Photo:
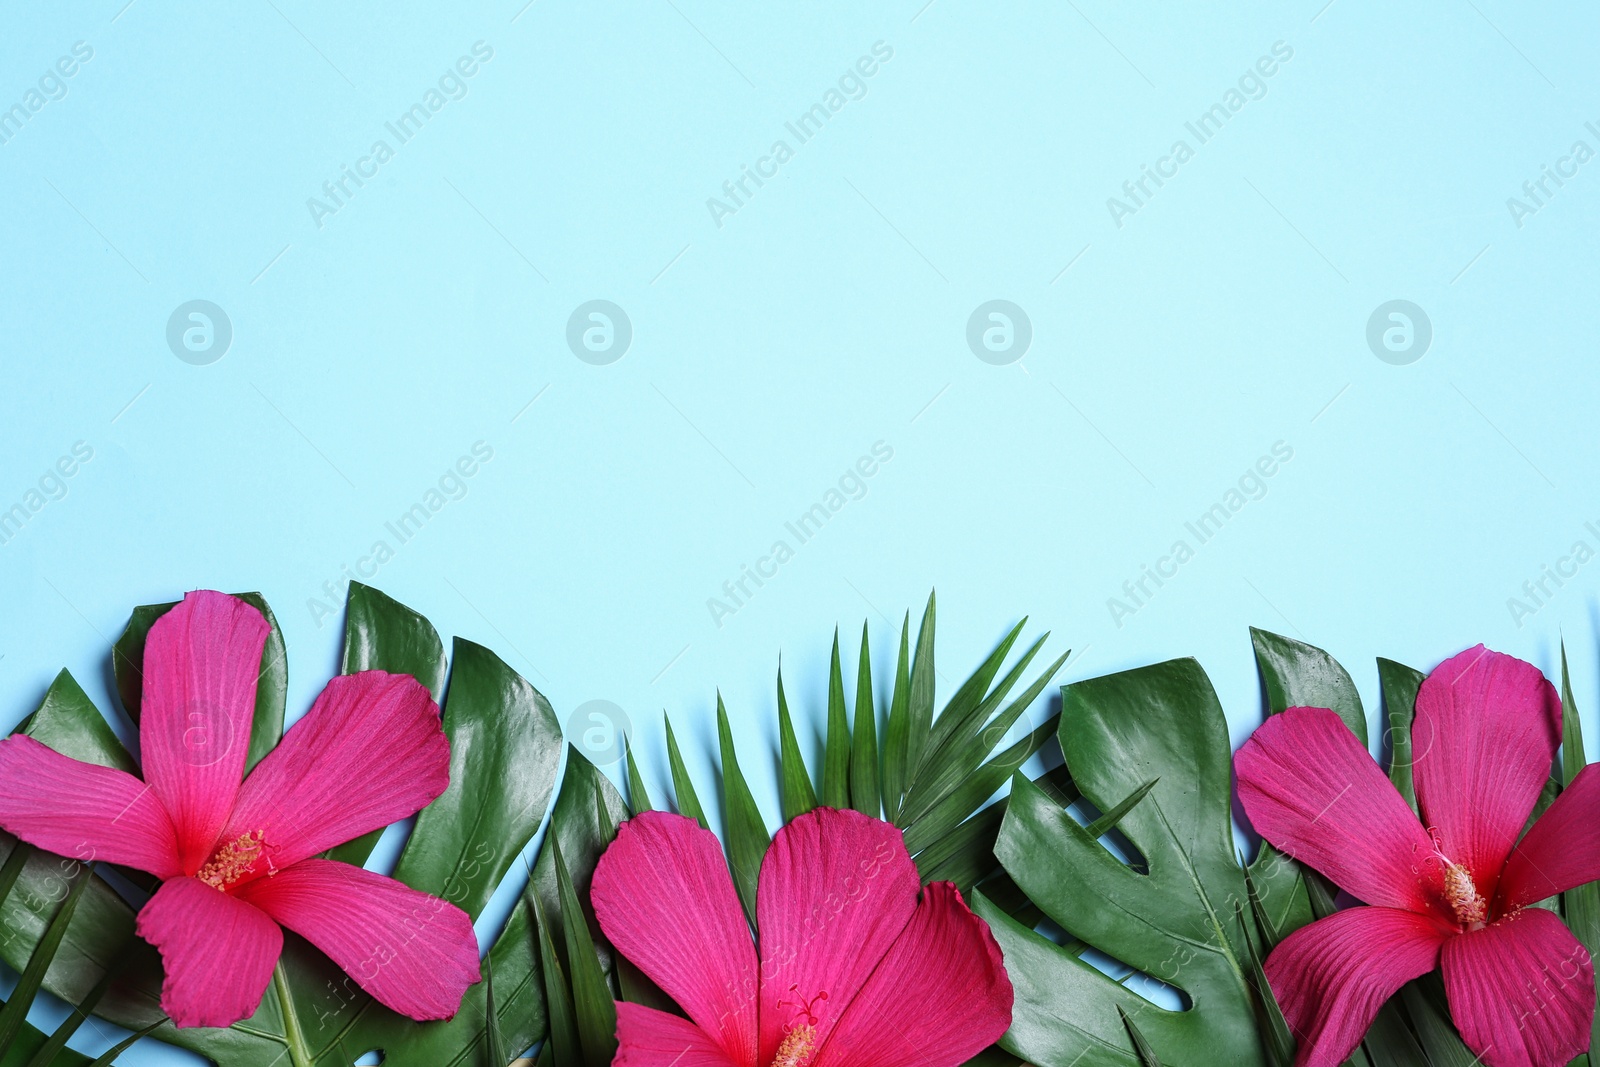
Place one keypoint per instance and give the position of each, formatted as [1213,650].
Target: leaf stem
[294,1037]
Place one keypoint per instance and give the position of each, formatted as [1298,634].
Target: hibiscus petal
[1521,990]
[836,889]
[1562,850]
[83,810]
[1315,793]
[413,952]
[1487,727]
[1332,976]
[201,663]
[218,952]
[939,997]
[664,898]
[650,1038]
[370,751]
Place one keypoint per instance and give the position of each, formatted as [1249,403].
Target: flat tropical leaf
[836,750]
[562,1050]
[682,784]
[919,705]
[14,1015]
[1295,674]
[864,789]
[593,1006]
[1400,684]
[896,732]
[794,780]
[638,795]
[68,722]
[1178,922]
[747,831]
[583,822]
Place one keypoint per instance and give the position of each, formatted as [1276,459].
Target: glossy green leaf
[1424,1003]
[14,1015]
[973,702]
[1177,922]
[1275,1034]
[1400,684]
[382,634]
[68,722]
[965,855]
[51,1053]
[864,788]
[836,749]
[1295,674]
[919,705]
[896,732]
[747,831]
[593,1006]
[682,784]
[976,788]
[1390,1041]
[638,795]
[505,746]
[127,659]
[563,1048]
[583,823]
[31,1044]
[1147,1055]
[945,773]
[794,780]
[494,1041]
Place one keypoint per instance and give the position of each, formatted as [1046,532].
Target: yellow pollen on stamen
[797,1047]
[1471,909]
[228,863]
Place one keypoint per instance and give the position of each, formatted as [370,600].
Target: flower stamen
[799,1038]
[797,1047]
[233,861]
[1472,911]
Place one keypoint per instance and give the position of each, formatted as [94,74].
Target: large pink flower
[854,971]
[236,858]
[1452,890]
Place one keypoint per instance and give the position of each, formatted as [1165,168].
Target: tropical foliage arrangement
[1439,912]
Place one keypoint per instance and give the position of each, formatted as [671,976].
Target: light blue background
[828,313]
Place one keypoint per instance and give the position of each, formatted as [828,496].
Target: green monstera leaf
[505,750]
[1160,731]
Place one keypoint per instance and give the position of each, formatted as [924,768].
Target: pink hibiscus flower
[854,971]
[236,858]
[1451,890]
